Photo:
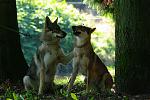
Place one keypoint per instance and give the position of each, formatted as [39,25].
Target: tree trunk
[12,62]
[132,46]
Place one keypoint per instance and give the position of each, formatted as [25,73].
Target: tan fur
[43,67]
[88,63]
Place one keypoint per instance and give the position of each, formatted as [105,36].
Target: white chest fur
[49,58]
[81,59]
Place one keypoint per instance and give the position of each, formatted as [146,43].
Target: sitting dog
[88,63]
[44,64]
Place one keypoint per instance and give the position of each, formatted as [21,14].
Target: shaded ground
[9,91]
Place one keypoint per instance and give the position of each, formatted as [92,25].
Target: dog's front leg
[88,81]
[85,64]
[65,59]
[74,74]
[42,80]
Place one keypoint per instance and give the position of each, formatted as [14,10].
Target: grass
[9,91]
[62,80]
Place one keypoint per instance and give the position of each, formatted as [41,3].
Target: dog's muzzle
[76,33]
[62,35]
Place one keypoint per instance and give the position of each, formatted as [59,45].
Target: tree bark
[12,63]
[132,35]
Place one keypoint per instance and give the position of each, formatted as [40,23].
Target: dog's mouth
[63,35]
[77,33]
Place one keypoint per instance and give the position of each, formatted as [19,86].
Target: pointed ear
[55,22]
[92,30]
[47,23]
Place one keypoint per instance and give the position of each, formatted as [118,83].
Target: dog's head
[82,33]
[52,31]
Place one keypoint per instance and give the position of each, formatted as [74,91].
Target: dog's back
[100,73]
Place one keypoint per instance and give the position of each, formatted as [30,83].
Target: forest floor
[17,92]
[9,91]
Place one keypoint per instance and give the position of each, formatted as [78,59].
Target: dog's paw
[40,93]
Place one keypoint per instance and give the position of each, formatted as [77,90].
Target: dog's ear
[55,22]
[47,23]
[92,30]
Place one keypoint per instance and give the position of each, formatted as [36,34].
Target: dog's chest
[84,58]
[47,58]
[50,57]
[81,53]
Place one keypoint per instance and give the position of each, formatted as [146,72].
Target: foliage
[31,16]
[74,97]
[62,95]
[103,41]
[102,6]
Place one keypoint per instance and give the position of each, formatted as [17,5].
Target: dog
[42,70]
[88,63]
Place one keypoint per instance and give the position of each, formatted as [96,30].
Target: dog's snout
[76,33]
[63,34]
[75,30]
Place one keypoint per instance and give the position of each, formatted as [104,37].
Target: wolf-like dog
[44,64]
[88,63]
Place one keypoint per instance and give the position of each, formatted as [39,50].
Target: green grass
[61,80]
[78,91]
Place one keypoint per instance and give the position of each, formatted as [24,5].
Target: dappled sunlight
[103,40]
[69,49]
[105,28]
[31,16]
[65,79]
[111,70]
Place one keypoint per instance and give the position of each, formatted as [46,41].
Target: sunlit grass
[62,80]
[111,70]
